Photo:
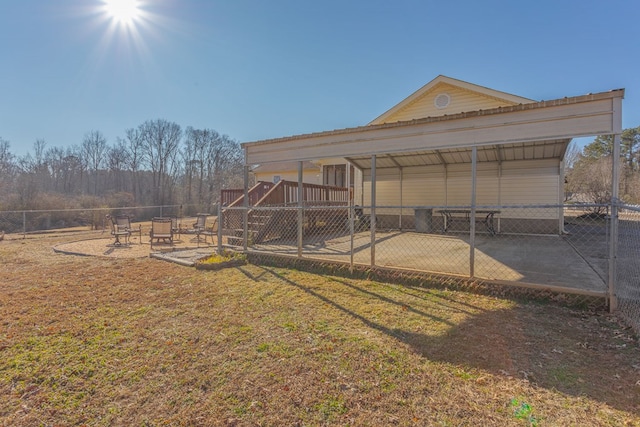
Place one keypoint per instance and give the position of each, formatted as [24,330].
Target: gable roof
[445,96]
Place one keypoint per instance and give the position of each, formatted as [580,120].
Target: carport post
[300,207]
[613,235]
[401,191]
[350,217]
[373,210]
[472,219]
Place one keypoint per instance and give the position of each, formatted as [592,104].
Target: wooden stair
[271,224]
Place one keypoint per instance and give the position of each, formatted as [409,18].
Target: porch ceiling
[551,149]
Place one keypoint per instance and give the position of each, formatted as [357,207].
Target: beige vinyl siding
[522,183]
[461,101]
[420,186]
[459,185]
[387,187]
[424,186]
[534,182]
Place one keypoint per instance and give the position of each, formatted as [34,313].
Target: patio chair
[118,229]
[124,222]
[201,229]
[201,222]
[161,228]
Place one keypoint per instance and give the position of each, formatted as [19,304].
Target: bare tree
[209,158]
[161,141]
[7,167]
[117,159]
[94,149]
[54,158]
[225,166]
[188,156]
[591,178]
[75,167]
[134,145]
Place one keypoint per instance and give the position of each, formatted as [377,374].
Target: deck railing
[282,194]
[285,193]
[235,196]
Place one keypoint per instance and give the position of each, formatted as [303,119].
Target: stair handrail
[256,189]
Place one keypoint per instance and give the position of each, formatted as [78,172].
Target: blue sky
[256,69]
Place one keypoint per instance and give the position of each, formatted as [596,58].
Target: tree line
[157,163]
[589,171]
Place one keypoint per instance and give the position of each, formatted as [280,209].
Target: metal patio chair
[161,228]
[119,229]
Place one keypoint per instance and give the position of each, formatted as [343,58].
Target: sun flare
[122,11]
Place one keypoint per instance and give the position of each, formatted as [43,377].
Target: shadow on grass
[574,352]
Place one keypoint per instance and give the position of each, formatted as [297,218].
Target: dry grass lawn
[112,342]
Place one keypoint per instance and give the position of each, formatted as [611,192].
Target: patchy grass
[215,258]
[87,341]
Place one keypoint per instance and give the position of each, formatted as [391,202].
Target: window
[336,175]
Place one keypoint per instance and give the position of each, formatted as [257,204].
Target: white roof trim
[587,115]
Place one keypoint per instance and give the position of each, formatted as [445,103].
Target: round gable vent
[442,101]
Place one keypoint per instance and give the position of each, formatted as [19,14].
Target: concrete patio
[547,262]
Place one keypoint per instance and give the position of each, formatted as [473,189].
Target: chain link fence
[627,281]
[24,223]
[565,249]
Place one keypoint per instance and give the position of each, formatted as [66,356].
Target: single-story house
[450,144]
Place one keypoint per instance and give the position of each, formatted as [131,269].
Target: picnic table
[483,216]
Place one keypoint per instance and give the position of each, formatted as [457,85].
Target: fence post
[245,213]
[219,230]
[373,210]
[472,219]
[613,235]
[300,207]
[351,233]
[24,224]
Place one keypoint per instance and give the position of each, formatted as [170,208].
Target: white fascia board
[599,115]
